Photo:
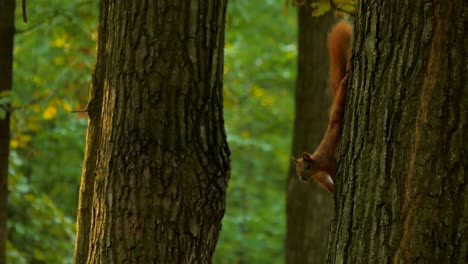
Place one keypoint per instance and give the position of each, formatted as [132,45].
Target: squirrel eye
[307,167]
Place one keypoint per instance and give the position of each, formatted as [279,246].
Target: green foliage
[260,59]
[52,68]
[14,255]
[53,59]
[321,7]
[38,231]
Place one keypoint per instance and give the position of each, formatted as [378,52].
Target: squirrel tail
[339,49]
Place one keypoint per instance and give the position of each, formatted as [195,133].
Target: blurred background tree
[309,206]
[7,31]
[54,57]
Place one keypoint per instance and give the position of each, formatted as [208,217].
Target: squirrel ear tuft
[306,156]
[294,159]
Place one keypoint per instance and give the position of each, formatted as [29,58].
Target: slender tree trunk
[402,187]
[309,206]
[7,31]
[157,160]
[93,139]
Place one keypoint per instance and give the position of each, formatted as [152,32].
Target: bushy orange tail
[339,49]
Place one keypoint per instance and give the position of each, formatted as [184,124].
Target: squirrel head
[306,167]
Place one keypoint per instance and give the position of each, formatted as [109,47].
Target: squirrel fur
[322,165]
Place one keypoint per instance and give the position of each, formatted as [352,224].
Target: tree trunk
[93,140]
[402,187]
[157,160]
[7,31]
[309,206]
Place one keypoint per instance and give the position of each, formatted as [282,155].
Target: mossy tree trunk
[309,206]
[7,32]
[157,161]
[402,192]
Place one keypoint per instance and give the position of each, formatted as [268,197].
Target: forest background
[54,55]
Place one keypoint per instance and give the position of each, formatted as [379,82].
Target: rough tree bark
[309,206]
[7,32]
[157,160]
[93,139]
[402,192]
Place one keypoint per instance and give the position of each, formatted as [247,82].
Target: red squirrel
[321,165]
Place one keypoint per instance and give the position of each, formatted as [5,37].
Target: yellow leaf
[49,112]
[59,42]
[67,106]
[25,138]
[320,8]
[14,144]
[257,91]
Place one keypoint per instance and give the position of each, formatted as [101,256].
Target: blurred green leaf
[320,8]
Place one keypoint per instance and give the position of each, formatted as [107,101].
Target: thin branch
[334,6]
[54,15]
[20,31]
[79,111]
[299,2]
[23,6]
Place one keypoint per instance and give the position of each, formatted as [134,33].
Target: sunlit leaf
[67,107]
[49,112]
[257,91]
[320,8]
[14,143]
[59,41]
